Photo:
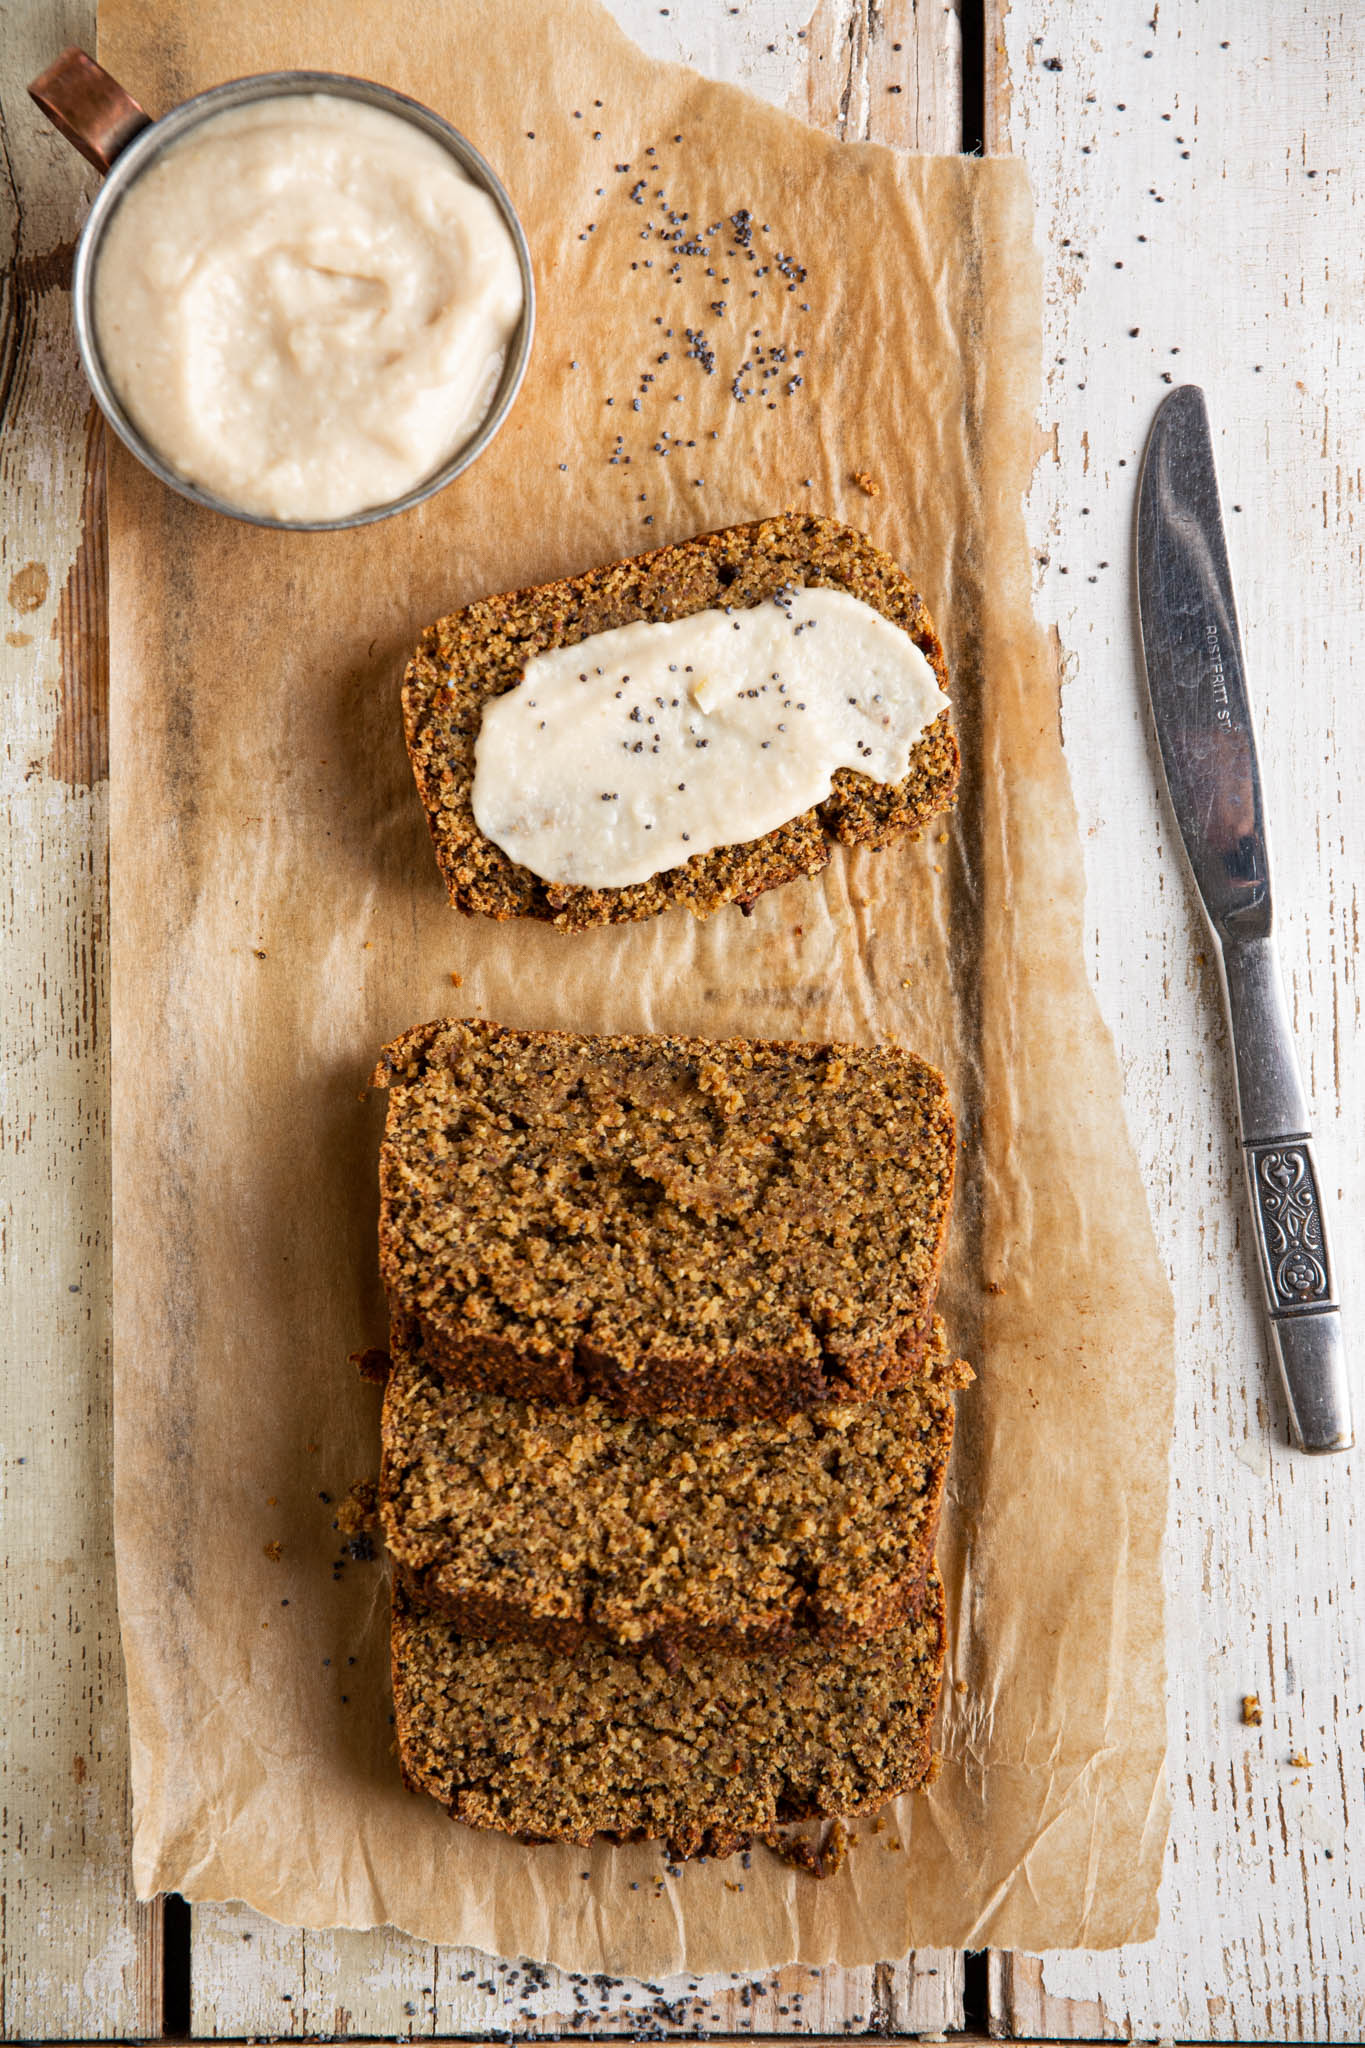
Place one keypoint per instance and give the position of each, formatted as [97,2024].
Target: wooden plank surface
[252,1977]
[78,1956]
[1198,171]
[1251,258]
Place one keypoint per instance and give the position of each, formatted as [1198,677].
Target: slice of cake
[668,1533]
[466,662]
[733,1228]
[563,1746]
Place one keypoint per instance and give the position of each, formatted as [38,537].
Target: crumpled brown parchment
[277,917]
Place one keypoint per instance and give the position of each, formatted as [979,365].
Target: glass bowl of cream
[300,298]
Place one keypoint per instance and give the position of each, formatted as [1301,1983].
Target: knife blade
[1197,684]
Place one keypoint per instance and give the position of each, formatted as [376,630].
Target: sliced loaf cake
[665,1533]
[735,1228]
[564,1746]
[475,655]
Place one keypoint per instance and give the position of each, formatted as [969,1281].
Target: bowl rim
[161,134]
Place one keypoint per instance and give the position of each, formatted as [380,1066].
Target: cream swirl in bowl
[305,306]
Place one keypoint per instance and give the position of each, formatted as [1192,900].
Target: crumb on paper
[818,1860]
[995,1287]
[359,1510]
[1251,1710]
[959,1686]
[260,952]
[867,483]
[274,1551]
[1300,1761]
[456,980]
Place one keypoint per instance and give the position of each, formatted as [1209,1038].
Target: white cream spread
[627,754]
[305,305]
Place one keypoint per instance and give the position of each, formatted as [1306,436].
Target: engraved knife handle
[1286,1199]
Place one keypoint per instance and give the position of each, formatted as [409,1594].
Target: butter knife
[1195,677]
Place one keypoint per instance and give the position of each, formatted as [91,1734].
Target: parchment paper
[277,917]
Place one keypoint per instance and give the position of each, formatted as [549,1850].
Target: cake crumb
[712,1079]
[456,980]
[599,1118]
[485,1499]
[867,483]
[818,1860]
[1251,1710]
[360,1509]
[1300,1761]
[274,1551]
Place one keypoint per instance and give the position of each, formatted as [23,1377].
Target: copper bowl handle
[89,108]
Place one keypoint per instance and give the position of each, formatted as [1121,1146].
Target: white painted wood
[1248,260]
[78,1957]
[252,1977]
[1232,139]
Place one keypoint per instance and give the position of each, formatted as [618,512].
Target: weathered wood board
[1198,180]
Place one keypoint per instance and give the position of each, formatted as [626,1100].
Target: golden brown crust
[734,1227]
[480,652]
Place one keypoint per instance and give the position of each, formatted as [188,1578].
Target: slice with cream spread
[625,755]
